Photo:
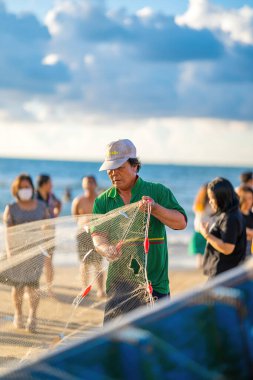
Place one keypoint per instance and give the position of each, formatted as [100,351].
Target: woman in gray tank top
[27,273]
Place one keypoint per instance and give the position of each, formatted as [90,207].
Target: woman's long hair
[224,194]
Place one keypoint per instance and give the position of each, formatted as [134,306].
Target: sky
[175,77]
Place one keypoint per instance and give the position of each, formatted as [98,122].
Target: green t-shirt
[157,267]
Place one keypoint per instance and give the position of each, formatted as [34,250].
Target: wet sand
[18,345]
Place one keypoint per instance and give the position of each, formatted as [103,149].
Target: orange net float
[86,291]
[150,288]
[146,245]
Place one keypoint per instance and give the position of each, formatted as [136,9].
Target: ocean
[183,180]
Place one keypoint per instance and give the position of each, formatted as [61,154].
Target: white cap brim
[113,164]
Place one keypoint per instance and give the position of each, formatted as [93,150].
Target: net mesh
[100,273]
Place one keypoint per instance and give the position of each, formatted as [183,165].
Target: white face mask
[25,194]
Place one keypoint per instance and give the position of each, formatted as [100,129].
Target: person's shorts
[197,244]
[126,300]
[26,273]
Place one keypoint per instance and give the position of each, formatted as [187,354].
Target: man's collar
[113,191]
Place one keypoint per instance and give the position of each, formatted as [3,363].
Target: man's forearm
[171,218]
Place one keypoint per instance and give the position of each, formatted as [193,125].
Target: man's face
[123,177]
[89,184]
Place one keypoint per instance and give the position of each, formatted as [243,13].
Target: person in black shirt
[246,204]
[226,238]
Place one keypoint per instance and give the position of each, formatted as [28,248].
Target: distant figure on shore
[45,194]
[246,205]
[226,239]
[83,205]
[247,179]
[67,196]
[203,213]
[27,273]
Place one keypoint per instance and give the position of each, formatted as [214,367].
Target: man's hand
[144,202]
[110,252]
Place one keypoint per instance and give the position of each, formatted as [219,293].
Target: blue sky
[173,7]
[174,76]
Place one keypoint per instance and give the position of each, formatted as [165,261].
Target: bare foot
[18,321]
[31,325]
[101,294]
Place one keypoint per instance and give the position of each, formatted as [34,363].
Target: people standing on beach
[203,213]
[26,274]
[45,194]
[246,205]
[226,238]
[83,205]
[122,166]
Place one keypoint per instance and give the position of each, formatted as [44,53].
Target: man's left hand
[144,202]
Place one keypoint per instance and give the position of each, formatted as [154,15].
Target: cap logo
[114,153]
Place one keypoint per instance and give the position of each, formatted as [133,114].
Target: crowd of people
[222,238]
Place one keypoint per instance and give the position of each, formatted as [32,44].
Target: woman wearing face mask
[226,238]
[26,274]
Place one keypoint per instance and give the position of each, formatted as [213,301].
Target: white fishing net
[92,255]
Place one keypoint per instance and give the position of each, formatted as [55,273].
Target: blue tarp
[203,334]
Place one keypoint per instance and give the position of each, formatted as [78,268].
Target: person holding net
[27,270]
[122,167]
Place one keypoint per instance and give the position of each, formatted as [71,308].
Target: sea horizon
[144,162]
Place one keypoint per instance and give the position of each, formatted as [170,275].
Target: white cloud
[89,76]
[50,59]
[237,24]
[170,140]
[89,59]
[65,7]
[40,111]
[145,12]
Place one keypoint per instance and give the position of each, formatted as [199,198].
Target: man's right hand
[110,252]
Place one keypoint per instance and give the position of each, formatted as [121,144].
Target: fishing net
[100,273]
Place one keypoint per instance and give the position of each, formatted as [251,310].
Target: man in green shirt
[122,166]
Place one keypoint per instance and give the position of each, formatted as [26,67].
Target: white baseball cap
[117,153]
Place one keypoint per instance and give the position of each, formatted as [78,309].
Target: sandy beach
[57,317]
